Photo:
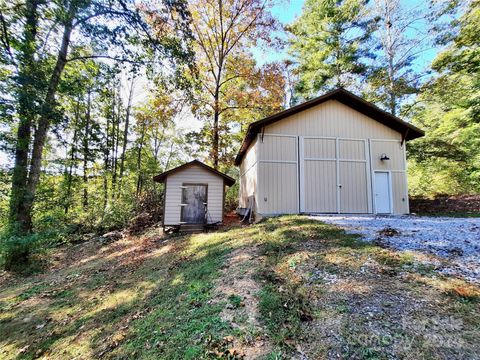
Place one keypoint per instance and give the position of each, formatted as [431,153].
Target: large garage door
[333,175]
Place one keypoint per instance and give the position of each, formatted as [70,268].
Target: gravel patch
[454,239]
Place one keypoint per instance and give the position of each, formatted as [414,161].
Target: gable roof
[408,131]
[161,177]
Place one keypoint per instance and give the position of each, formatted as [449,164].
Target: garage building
[334,154]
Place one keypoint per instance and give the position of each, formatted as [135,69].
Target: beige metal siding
[277,174]
[248,175]
[397,168]
[277,148]
[334,175]
[195,175]
[347,155]
[336,120]
[318,174]
[355,190]
[319,148]
[277,188]
[332,119]
[352,149]
[393,149]
[400,193]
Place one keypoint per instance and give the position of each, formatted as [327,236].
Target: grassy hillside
[285,287]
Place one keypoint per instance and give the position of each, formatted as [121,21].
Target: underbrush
[25,253]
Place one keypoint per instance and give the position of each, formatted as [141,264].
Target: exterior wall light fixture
[384,157]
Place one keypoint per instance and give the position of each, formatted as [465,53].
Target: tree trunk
[73,154]
[216,97]
[26,113]
[44,121]
[125,130]
[115,189]
[115,136]
[157,144]
[170,153]
[139,161]
[86,151]
[216,137]
[390,55]
[106,165]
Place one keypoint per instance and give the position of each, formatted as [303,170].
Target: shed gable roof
[161,177]
[408,131]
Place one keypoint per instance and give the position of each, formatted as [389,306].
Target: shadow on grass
[156,301]
[157,308]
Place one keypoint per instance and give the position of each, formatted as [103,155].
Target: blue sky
[286,11]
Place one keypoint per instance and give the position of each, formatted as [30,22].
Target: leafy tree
[449,110]
[328,45]
[157,141]
[223,33]
[398,42]
[38,67]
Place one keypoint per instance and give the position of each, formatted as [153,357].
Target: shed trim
[408,131]
[161,177]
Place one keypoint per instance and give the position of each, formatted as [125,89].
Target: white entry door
[383,203]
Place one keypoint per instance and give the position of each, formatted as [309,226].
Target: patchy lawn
[287,287]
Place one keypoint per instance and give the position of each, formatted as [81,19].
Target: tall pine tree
[328,45]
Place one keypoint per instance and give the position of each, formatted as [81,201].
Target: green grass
[284,303]
[148,298]
[32,291]
[181,321]
[235,301]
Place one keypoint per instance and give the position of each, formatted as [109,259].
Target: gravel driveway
[455,239]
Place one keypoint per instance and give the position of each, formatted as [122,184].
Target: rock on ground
[455,239]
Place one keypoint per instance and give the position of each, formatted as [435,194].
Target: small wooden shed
[194,194]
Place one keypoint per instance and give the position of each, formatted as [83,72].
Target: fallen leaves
[225,349]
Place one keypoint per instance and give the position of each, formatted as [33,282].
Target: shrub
[15,250]
[116,216]
[231,198]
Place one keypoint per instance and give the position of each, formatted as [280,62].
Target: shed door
[318,175]
[194,202]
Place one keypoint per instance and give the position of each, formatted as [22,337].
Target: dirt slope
[286,288]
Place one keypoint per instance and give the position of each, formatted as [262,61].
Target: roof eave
[340,95]
[229,181]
